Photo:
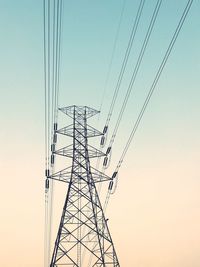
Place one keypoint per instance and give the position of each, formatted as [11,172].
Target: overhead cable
[124,64]
[155,81]
[136,69]
[112,55]
[107,79]
[52,23]
[152,88]
[45,84]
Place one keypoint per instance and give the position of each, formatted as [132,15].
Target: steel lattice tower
[83,238]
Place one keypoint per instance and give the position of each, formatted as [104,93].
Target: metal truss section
[99,176]
[69,131]
[68,151]
[65,175]
[83,238]
[81,111]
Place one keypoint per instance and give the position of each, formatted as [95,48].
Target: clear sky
[154,216]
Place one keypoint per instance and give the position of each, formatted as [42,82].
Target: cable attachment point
[55,138]
[107,158]
[104,137]
[55,126]
[52,159]
[47,184]
[115,181]
[110,186]
[105,161]
[47,172]
[102,143]
[53,147]
[108,150]
[105,129]
[114,175]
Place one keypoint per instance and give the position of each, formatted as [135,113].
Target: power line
[46,131]
[122,71]
[155,81]
[107,78]
[45,80]
[48,71]
[46,87]
[136,69]
[112,55]
[152,88]
[124,64]
[52,20]
[60,21]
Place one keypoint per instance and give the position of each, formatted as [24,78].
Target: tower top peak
[74,110]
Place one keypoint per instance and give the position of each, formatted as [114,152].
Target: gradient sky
[154,216]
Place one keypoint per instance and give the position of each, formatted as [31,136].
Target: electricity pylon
[83,237]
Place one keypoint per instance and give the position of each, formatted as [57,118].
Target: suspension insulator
[55,126]
[102,140]
[108,150]
[55,138]
[110,185]
[114,175]
[105,129]
[52,159]
[53,147]
[47,172]
[105,161]
[47,183]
